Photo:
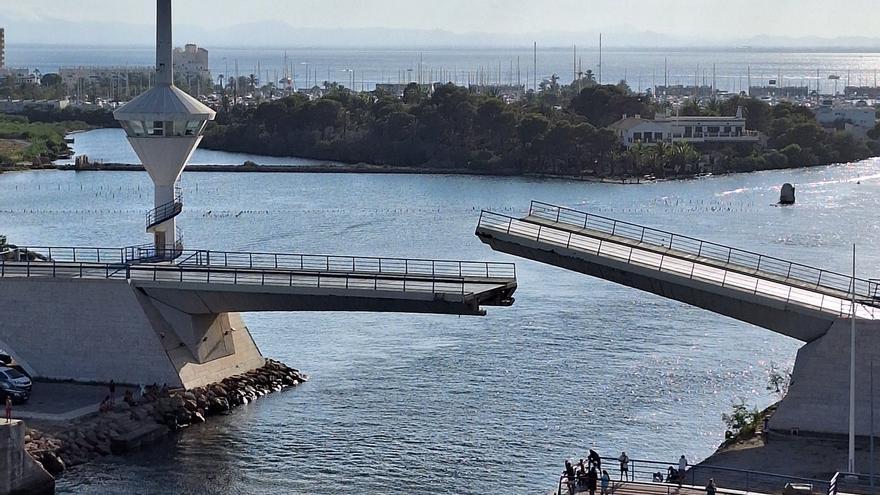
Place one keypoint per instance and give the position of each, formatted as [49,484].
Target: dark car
[14,384]
[5,358]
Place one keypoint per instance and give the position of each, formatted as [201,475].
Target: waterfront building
[18,106]
[20,76]
[684,129]
[78,76]
[192,61]
[680,90]
[788,92]
[398,89]
[510,93]
[856,118]
[872,92]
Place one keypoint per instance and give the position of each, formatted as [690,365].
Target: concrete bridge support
[102,330]
[20,474]
[818,398]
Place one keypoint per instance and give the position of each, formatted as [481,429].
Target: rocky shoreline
[127,427]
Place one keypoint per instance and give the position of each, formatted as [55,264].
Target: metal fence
[666,262]
[267,269]
[696,477]
[732,258]
[350,264]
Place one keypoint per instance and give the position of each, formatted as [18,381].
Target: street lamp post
[852,374]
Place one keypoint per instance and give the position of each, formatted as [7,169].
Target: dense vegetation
[451,129]
[794,137]
[560,131]
[24,141]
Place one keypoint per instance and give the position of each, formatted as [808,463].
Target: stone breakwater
[126,427]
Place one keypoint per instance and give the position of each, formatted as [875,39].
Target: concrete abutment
[102,330]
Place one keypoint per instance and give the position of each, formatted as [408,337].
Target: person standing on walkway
[570,478]
[710,488]
[606,480]
[682,467]
[592,478]
[8,409]
[595,460]
[624,466]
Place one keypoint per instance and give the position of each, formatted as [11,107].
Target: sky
[694,19]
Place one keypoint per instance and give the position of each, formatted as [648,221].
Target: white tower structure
[164,126]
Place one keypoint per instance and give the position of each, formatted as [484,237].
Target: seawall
[19,472]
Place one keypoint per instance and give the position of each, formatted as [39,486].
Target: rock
[53,464]
[786,196]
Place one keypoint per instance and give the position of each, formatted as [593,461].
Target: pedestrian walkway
[790,298]
[640,488]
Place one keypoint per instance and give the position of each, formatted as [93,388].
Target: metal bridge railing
[165,212]
[267,269]
[865,290]
[351,264]
[677,265]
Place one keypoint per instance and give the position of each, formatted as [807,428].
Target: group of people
[585,476]
[146,393]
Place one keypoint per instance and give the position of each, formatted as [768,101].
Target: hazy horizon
[625,23]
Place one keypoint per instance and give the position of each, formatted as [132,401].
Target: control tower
[164,126]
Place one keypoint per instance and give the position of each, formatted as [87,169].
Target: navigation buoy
[786,197]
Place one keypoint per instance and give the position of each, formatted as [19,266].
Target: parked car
[5,358]
[14,384]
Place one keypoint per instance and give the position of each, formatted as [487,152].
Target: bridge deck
[551,226]
[469,284]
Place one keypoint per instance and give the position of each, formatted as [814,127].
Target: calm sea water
[732,69]
[458,405]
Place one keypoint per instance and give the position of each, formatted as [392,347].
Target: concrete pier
[19,473]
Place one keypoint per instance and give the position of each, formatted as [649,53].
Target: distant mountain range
[280,34]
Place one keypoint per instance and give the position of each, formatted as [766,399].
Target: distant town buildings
[19,106]
[73,77]
[789,92]
[510,93]
[857,119]
[192,61]
[678,129]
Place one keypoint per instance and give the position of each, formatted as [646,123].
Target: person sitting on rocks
[106,405]
[129,398]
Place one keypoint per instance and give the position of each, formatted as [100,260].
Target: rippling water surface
[444,404]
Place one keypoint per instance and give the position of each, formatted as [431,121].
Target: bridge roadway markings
[609,247]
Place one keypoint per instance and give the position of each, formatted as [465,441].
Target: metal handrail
[353,264]
[293,261]
[805,274]
[642,471]
[568,239]
[165,212]
[118,266]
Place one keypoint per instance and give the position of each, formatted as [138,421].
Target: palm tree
[683,156]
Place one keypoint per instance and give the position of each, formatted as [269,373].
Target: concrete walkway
[640,488]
